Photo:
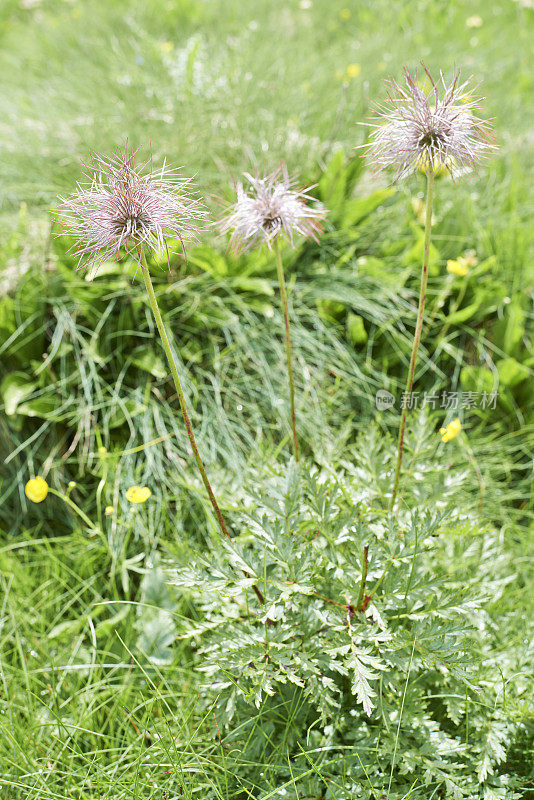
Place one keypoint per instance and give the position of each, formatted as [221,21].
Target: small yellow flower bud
[460,266]
[451,431]
[345,13]
[108,511]
[138,494]
[36,489]
[353,70]
[72,484]
[102,451]
[456,268]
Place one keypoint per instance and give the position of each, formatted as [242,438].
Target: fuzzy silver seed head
[417,131]
[271,206]
[127,208]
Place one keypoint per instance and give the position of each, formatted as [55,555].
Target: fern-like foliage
[368,644]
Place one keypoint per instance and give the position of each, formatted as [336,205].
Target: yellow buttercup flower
[457,267]
[138,494]
[460,266]
[345,13]
[108,511]
[36,489]
[353,70]
[451,431]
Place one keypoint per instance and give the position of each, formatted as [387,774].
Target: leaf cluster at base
[361,660]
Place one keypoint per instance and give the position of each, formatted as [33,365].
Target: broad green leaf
[128,269]
[8,325]
[69,626]
[415,254]
[331,310]
[463,314]
[44,407]
[358,208]
[348,253]
[146,359]
[261,306]
[355,167]
[256,285]
[332,185]
[155,622]
[510,329]
[108,626]
[209,260]
[511,372]
[129,407]
[156,591]
[356,329]
[156,637]
[382,272]
[30,302]
[16,387]
[92,351]
[477,379]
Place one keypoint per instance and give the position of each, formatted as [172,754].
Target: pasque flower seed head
[124,207]
[270,206]
[432,130]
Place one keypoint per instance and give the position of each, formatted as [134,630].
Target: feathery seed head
[417,130]
[125,207]
[271,206]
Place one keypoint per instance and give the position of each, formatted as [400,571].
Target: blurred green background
[219,85]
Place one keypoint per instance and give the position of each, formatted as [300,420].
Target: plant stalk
[417,335]
[181,399]
[283,295]
[66,499]
[361,596]
[465,442]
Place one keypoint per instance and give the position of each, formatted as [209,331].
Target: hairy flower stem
[283,295]
[181,399]
[417,335]
[361,596]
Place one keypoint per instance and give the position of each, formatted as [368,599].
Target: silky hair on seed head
[270,206]
[430,131]
[128,208]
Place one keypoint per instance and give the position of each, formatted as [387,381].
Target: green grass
[220,87]
[81,716]
[242,84]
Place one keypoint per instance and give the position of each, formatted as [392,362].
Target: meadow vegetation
[392,657]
